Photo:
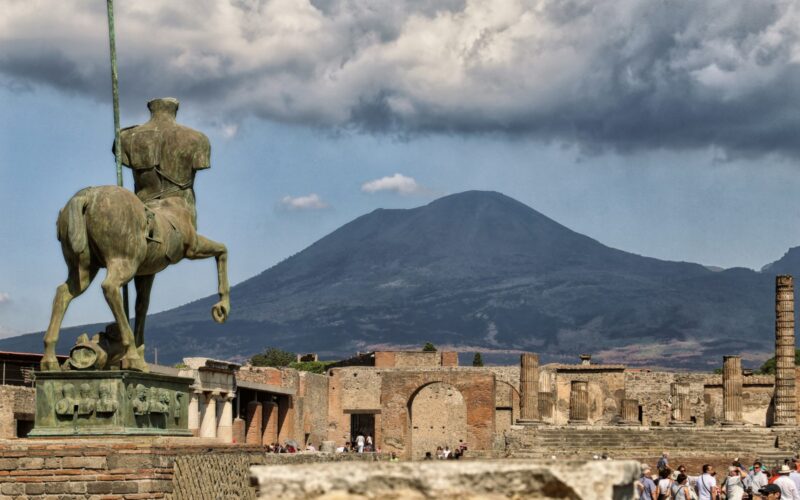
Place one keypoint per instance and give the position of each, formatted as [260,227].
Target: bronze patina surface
[120,402]
[135,236]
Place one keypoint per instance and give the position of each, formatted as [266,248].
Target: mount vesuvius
[476,271]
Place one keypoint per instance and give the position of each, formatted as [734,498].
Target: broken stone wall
[16,403]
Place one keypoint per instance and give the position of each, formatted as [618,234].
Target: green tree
[274,357]
[768,368]
[477,360]
[429,347]
[312,366]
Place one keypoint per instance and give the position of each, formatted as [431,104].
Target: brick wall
[399,387]
[135,469]
[16,402]
[311,416]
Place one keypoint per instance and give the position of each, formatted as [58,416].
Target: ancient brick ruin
[411,402]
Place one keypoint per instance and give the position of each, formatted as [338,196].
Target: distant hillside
[477,270]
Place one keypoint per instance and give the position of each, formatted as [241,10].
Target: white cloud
[308,202]
[5,297]
[229,130]
[397,183]
[624,73]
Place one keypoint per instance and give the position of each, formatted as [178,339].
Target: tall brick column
[546,400]
[629,412]
[681,406]
[239,436]
[579,402]
[254,422]
[732,390]
[529,387]
[270,423]
[785,404]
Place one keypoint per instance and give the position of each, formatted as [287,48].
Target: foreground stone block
[578,480]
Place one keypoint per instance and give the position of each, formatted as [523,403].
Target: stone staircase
[621,442]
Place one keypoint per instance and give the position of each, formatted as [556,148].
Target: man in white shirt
[756,479]
[795,475]
[788,489]
[707,483]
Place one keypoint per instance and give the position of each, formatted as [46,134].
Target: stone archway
[438,415]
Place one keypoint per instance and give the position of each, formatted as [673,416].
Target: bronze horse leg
[120,272]
[77,282]
[203,249]
[143,286]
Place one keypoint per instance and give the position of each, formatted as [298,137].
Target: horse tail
[71,223]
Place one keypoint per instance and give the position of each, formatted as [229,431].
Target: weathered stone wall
[311,415]
[267,375]
[438,418]
[652,390]
[606,392]
[757,393]
[352,389]
[399,387]
[407,359]
[16,403]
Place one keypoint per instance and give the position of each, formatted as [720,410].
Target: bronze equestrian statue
[135,236]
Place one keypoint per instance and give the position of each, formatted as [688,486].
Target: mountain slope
[475,270]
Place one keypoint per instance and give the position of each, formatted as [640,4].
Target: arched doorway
[438,417]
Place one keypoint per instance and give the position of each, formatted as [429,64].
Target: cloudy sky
[663,127]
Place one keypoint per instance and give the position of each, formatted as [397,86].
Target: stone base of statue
[111,402]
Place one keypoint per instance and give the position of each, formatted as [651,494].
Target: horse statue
[135,236]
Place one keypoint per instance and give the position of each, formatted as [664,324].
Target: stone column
[784,352]
[681,407]
[579,402]
[208,427]
[546,402]
[225,424]
[254,423]
[732,390]
[529,387]
[194,411]
[270,423]
[629,412]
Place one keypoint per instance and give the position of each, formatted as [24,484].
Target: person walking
[707,484]
[663,462]
[370,446]
[787,486]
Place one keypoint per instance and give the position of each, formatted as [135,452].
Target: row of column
[536,404]
[208,419]
[536,396]
[262,423]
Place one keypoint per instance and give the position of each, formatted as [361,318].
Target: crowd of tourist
[740,482]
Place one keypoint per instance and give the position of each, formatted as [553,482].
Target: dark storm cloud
[621,74]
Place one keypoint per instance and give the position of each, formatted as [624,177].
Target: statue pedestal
[109,402]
